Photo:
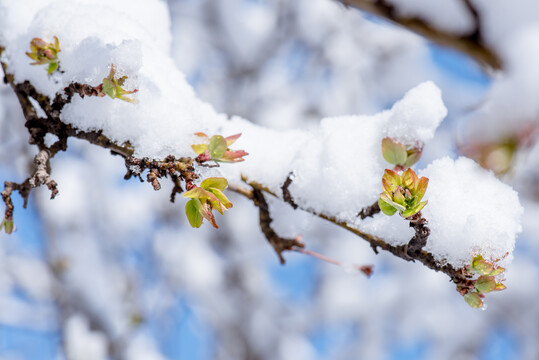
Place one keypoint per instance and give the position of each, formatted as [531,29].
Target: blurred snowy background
[112,270]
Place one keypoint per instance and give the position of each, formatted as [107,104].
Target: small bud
[407,194]
[404,193]
[216,149]
[153,179]
[8,226]
[113,87]
[44,53]
[205,198]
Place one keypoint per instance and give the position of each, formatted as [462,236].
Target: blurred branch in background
[471,44]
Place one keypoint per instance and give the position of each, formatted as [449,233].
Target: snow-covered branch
[337,168]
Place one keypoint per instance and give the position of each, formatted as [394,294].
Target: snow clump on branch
[337,168]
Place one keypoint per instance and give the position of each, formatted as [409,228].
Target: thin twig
[40,176]
[366,269]
[278,243]
[422,232]
[369,211]
[287,196]
[401,251]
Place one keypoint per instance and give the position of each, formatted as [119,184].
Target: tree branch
[409,252]
[182,169]
[369,211]
[471,44]
[278,243]
[40,176]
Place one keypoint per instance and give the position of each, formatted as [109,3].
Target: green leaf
[386,208]
[409,179]
[219,183]
[109,88]
[206,212]
[413,156]
[421,188]
[476,258]
[231,139]
[482,267]
[387,188]
[217,146]
[393,151]
[121,81]
[197,193]
[52,67]
[214,203]
[398,196]
[499,287]
[199,148]
[388,200]
[414,210]
[193,214]
[233,156]
[473,299]
[222,198]
[393,178]
[485,284]
[9,226]
[124,98]
[44,53]
[32,55]
[497,271]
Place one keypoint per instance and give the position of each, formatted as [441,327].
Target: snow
[329,161]
[32,276]
[469,212]
[81,343]
[415,118]
[143,348]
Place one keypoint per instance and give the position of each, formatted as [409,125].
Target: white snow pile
[469,211]
[337,168]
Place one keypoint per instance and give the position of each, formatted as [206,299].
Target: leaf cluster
[485,283]
[216,148]
[402,193]
[43,53]
[205,198]
[112,87]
